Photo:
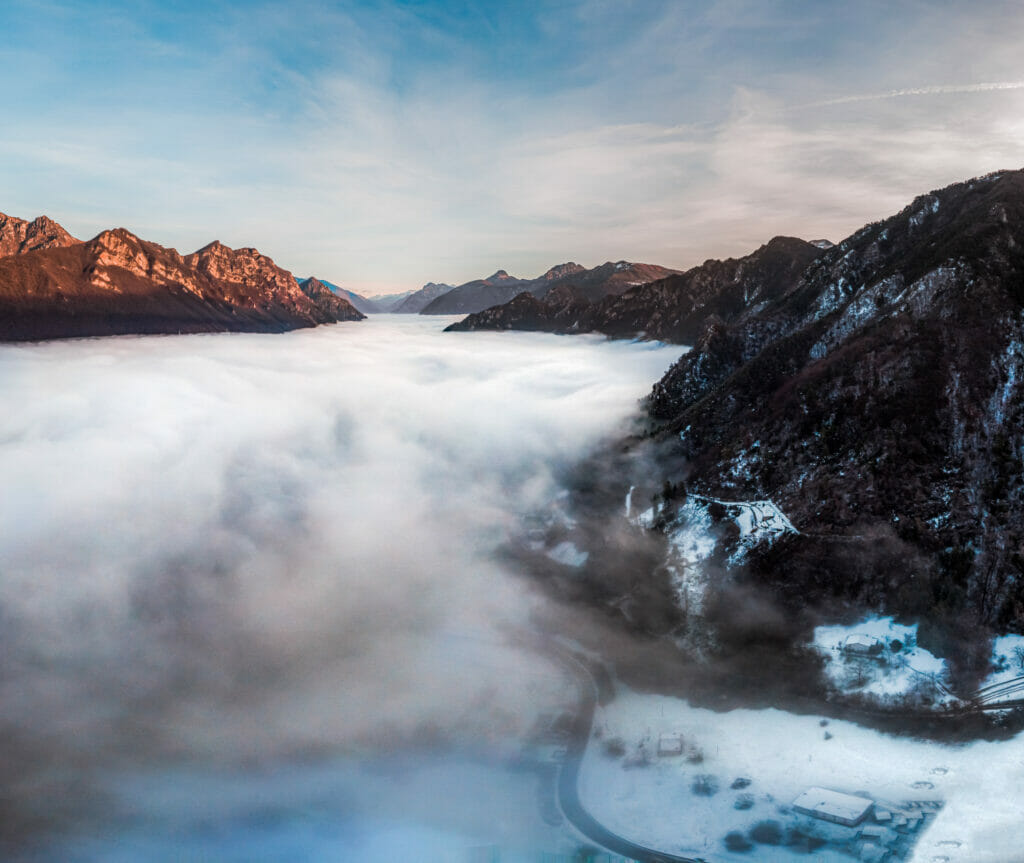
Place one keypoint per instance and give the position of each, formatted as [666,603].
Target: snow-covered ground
[895,668]
[690,543]
[761,519]
[971,795]
[757,520]
[1006,682]
[644,519]
[568,554]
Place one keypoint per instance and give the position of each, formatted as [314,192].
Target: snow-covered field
[1006,682]
[878,657]
[971,795]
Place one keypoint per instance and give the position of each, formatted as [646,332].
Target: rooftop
[832,805]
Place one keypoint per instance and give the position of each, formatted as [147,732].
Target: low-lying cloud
[231,549]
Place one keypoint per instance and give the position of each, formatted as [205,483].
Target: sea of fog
[249,603]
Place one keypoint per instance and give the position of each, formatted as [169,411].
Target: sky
[384,145]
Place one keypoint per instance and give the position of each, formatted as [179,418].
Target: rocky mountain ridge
[593,284]
[332,302]
[417,301]
[18,236]
[53,286]
[848,441]
[389,302]
[879,404]
[362,304]
[671,309]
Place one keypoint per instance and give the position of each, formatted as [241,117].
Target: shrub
[705,785]
[767,832]
[801,841]
[736,841]
[614,747]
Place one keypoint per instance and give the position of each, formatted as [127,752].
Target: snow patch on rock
[690,543]
[567,554]
[919,298]
[860,311]
[1010,363]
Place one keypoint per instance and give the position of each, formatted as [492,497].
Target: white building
[834,806]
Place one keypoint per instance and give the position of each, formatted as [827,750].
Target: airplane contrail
[942,89]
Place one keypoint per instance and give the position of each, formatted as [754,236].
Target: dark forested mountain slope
[671,309]
[879,402]
[590,285]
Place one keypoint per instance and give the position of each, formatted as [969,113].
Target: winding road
[568,777]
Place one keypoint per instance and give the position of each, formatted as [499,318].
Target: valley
[808,531]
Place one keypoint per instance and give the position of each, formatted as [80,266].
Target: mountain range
[55,286]
[417,301]
[848,426]
[375,305]
[593,284]
[671,308]
[871,391]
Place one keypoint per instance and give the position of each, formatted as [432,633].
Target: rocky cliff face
[589,285]
[341,308]
[879,403]
[361,304]
[117,283]
[673,308]
[18,236]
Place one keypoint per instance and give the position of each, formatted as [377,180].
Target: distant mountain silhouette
[594,284]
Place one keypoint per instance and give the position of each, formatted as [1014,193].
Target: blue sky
[382,145]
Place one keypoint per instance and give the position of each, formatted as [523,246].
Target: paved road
[568,777]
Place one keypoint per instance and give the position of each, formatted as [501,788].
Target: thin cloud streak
[939,90]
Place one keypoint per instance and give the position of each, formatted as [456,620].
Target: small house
[846,809]
[670,744]
[862,645]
